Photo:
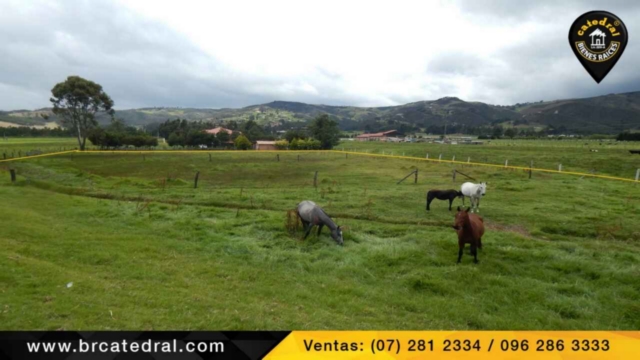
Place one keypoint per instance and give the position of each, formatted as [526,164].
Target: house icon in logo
[597,39]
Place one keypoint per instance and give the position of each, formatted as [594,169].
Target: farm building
[218,129]
[381,136]
[265,145]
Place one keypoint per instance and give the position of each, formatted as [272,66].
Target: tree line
[118,134]
[24,131]
[628,136]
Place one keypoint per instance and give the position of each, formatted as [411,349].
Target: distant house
[380,136]
[218,129]
[265,145]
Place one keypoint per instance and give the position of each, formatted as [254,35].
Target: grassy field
[21,146]
[145,250]
[612,158]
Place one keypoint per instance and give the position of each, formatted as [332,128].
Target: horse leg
[308,230]
[450,202]
[304,224]
[320,228]
[428,203]
[478,204]
[460,247]
[474,251]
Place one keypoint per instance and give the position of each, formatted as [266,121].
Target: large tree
[77,101]
[325,130]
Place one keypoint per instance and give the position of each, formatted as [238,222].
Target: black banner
[138,345]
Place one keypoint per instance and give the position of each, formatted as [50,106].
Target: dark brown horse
[470,229]
[442,195]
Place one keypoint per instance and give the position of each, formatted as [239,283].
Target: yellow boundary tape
[493,165]
[35,156]
[330,151]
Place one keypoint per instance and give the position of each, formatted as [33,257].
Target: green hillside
[603,114]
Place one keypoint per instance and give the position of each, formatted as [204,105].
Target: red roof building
[381,136]
[218,129]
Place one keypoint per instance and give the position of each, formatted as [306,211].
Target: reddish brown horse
[470,229]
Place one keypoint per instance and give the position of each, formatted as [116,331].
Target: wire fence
[347,153]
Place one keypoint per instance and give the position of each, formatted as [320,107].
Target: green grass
[611,159]
[16,146]
[145,250]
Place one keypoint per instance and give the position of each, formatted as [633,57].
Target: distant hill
[603,114]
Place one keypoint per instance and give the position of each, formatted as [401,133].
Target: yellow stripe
[330,151]
[35,156]
[460,345]
[492,165]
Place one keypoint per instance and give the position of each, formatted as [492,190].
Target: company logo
[598,39]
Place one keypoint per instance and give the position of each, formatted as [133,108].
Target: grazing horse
[474,192]
[470,228]
[311,214]
[442,195]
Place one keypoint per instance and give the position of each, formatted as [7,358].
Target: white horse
[474,192]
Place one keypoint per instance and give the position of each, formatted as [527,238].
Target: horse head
[483,188]
[462,218]
[337,235]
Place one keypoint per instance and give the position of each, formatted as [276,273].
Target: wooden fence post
[414,172]
[13,175]
[530,168]
[454,175]
[454,158]
[468,159]
[506,163]
[440,157]
[209,157]
[427,155]
[403,153]
[315,180]
[195,183]
[415,181]
[278,157]
[559,167]
[637,174]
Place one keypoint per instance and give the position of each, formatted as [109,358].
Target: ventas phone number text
[501,345]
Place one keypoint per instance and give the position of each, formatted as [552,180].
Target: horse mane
[327,215]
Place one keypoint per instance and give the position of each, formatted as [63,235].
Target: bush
[175,139]
[242,143]
[115,139]
[312,144]
[627,136]
[282,145]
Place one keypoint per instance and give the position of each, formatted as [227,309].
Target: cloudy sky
[366,53]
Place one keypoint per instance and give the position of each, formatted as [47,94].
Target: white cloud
[237,53]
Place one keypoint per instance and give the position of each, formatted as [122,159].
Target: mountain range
[610,114]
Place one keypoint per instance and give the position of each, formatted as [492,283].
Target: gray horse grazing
[312,214]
